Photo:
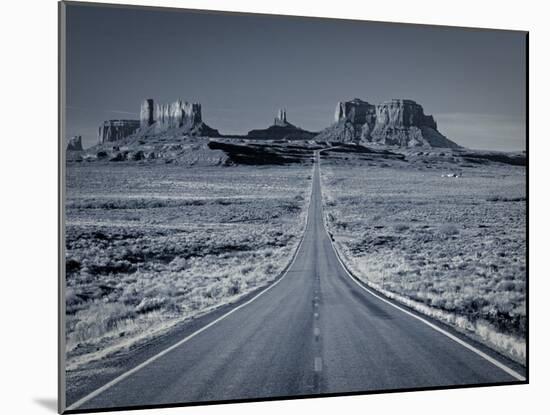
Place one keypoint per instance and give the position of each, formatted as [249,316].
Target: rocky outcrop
[280,119]
[355,111]
[179,117]
[403,123]
[281,130]
[262,153]
[400,122]
[147,113]
[402,113]
[75,143]
[353,120]
[116,130]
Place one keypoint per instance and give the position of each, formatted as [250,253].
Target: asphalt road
[316,331]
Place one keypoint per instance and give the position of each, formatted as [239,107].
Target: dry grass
[454,249]
[150,246]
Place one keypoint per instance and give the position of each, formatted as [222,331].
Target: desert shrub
[111,267]
[506,286]
[72,301]
[150,304]
[448,230]
[178,264]
[130,296]
[234,287]
[400,227]
[100,318]
[72,265]
[247,269]
[213,291]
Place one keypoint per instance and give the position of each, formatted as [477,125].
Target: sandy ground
[150,245]
[452,247]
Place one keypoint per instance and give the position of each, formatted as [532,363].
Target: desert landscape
[169,220]
[441,235]
[164,225]
[269,207]
[152,245]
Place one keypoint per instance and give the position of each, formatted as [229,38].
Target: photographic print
[259,207]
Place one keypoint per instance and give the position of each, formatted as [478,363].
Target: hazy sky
[242,68]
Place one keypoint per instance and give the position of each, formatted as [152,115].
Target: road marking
[318,364]
[468,346]
[130,372]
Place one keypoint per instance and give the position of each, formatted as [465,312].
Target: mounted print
[259,207]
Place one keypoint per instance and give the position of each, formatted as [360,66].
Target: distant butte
[399,122]
[116,130]
[281,130]
[177,118]
[75,143]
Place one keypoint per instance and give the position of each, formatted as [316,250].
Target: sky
[243,68]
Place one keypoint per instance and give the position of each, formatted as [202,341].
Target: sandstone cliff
[398,122]
[179,117]
[353,120]
[280,119]
[147,113]
[116,130]
[75,143]
[403,122]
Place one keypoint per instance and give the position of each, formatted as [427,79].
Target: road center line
[318,364]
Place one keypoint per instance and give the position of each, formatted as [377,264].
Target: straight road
[315,331]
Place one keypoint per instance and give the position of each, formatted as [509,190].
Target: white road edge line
[468,346]
[130,372]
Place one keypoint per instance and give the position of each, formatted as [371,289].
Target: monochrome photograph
[258,207]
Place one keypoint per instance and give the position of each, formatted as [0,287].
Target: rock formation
[281,130]
[147,113]
[180,117]
[177,114]
[280,119]
[355,111]
[116,130]
[352,120]
[403,122]
[75,143]
[400,122]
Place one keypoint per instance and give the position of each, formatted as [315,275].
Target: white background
[28,231]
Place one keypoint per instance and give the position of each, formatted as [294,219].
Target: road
[315,331]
